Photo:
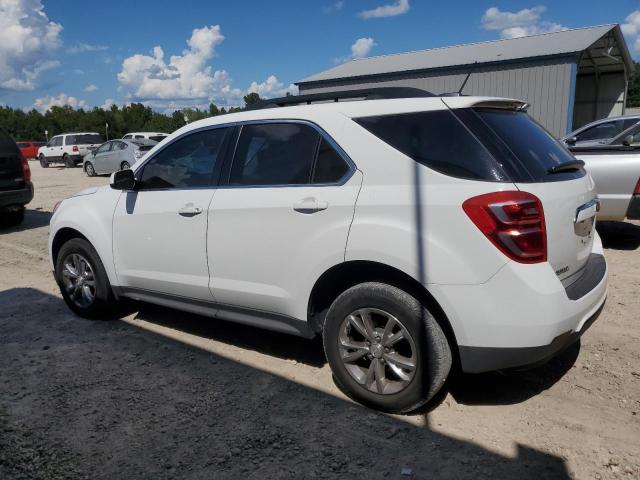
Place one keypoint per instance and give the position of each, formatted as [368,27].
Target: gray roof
[549,44]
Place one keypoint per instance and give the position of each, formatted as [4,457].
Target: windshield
[84,139]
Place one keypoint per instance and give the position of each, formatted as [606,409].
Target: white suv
[69,148]
[155,136]
[413,234]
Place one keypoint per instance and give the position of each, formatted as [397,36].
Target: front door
[281,219]
[100,157]
[160,229]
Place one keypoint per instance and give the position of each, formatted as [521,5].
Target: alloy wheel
[377,350]
[78,280]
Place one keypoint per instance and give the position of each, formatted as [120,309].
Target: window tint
[438,140]
[531,145]
[127,136]
[139,136]
[84,139]
[604,131]
[187,162]
[330,166]
[104,148]
[158,138]
[274,154]
[119,146]
[633,132]
[56,142]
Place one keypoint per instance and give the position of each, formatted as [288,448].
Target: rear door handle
[310,205]
[190,210]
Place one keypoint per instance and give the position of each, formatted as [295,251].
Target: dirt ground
[164,394]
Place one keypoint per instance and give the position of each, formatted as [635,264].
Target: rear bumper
[16,198]
[633,212]
[523,315]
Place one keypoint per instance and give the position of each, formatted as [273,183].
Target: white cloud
[90,88]
[334,7]
[28,40]
[360,49]
[631,29]
[108,103]
[82,47]
[272,87]
[518,24]
[45,103]
[398,7]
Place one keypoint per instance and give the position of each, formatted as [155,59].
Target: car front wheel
[89,170]
[385,348]
[83,280]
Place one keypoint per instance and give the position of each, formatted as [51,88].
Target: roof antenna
[467,78]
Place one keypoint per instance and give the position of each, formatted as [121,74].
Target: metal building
[570,77]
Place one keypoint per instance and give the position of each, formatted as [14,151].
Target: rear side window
[274,154]
[534,149]
[438,140]
[330,166]
[188,162]
[85,139]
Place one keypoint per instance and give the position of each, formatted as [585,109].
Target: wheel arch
[340,277]
[61,237]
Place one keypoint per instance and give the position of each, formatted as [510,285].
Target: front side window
[104,148]
[438,140]
[188,162]
[274,154]
[56,142]
[602,131]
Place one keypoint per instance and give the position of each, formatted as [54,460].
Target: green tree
[251,98]
[633,89]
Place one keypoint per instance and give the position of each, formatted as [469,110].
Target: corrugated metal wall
[545,84]
[597,99]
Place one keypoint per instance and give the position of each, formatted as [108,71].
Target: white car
[413,234]
[155,136]
[68,148]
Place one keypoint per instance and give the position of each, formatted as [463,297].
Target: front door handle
[310,205]
[190,210]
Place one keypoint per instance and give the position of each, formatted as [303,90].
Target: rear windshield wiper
[566,166]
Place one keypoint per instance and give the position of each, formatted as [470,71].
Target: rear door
[11,176]
[282,217]
[567,194]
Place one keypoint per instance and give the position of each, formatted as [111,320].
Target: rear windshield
[532,146]
[157,138]
[84,139]
[438,140]
[145,148]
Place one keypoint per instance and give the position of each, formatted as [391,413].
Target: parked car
[30,149]
[614,165]
[600,131]
[68,148]
[16,189]
[155,136]
[410,233]
[115,155]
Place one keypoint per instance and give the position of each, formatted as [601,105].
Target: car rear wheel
[83,281]
[385,348]
[43,161]
[125,166]
[68,161]
[89,170]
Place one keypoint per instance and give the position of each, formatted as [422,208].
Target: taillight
[636,191]
[26,171]
[513,221]
[75,148]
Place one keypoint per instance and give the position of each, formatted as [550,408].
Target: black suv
[16,189]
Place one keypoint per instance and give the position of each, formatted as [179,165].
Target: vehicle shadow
[32,219]
[619,235]
[110,400]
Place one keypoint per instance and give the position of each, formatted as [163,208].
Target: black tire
[43,161]
[104,305]
[125,166]
[89,170]
[68,161]
[12,218]
[433,354]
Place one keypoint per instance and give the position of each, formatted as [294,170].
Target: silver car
[115,155]
[600,132]
[614,165]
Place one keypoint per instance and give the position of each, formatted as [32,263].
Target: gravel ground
[164,394]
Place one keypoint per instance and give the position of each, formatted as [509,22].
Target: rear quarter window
[438,140]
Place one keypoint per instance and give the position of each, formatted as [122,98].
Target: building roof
[560,43]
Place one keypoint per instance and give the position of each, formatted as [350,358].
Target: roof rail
[365,94]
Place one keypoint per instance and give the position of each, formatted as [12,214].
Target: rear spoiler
[503,105]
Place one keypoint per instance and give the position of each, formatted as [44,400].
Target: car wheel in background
[68,161]
[89,170]
[83,281]
[9,219]
[384,347]
[43,161]
[125,166]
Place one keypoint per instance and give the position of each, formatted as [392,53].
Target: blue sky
[88,53]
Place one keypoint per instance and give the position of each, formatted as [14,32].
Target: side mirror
[123,180]
[571,140]
[628,140]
